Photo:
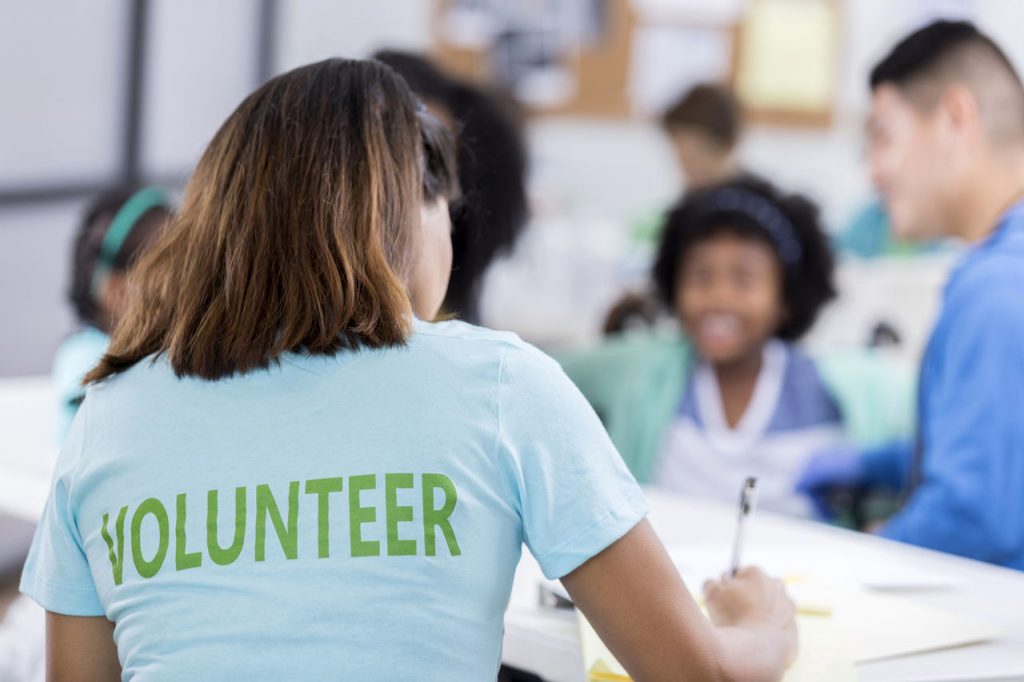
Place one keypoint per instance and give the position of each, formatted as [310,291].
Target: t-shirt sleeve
[56,574]
[575,495]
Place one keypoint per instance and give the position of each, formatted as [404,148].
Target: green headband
[124,221]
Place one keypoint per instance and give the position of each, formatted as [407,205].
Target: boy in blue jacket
[946,149]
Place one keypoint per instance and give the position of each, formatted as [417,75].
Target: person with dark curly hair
[745,269]
[492,164]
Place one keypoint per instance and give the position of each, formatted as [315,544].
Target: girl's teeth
[720,325]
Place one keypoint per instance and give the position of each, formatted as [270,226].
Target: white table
[546,643]
[27,444]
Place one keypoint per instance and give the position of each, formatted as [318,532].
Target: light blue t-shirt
[77,355]
[357,517]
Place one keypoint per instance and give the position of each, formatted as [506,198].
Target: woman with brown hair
[281,471]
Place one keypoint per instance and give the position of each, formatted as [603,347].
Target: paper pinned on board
[787,56]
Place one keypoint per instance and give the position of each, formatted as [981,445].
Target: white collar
[759,412]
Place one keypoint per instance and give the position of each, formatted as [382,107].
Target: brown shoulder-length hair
[296,230]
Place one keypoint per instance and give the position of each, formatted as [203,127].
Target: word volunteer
[438,498]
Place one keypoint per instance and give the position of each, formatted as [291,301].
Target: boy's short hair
[752,208]
[927,61]
[712,109]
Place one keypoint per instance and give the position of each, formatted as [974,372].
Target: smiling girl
[744,269]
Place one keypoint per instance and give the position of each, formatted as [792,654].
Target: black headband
[763,212]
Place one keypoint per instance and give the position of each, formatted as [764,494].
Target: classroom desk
[546,642]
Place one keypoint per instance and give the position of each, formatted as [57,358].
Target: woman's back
[311,483]
[358,515]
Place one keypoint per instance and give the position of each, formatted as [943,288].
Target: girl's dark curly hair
[752,208]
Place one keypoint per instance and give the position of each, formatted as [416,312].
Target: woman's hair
[297,228]
[492,170]
[709,108]
[97,249]
[753,209]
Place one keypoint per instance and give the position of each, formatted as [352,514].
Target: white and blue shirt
[791,416]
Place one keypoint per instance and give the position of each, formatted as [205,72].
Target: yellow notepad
[824,654]
[825,650]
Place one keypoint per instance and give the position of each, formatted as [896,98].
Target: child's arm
[636,601]
[80,649]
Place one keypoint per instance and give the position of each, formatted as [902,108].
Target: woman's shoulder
[463,344]
[77,354]
[463,334]
[148,373]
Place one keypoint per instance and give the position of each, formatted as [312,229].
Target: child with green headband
[115,229]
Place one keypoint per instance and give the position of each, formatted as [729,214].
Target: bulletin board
[626,59]
[597,69]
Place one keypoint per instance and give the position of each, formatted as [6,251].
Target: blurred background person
[705,126]
[116,228]
[492,166]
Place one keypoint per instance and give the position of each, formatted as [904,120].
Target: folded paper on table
[884,626]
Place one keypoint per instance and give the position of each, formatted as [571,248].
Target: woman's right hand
[635,598]
[753,600]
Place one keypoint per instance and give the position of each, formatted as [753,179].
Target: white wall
[61,64]
[34,258]
[311,30]
[201,62]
